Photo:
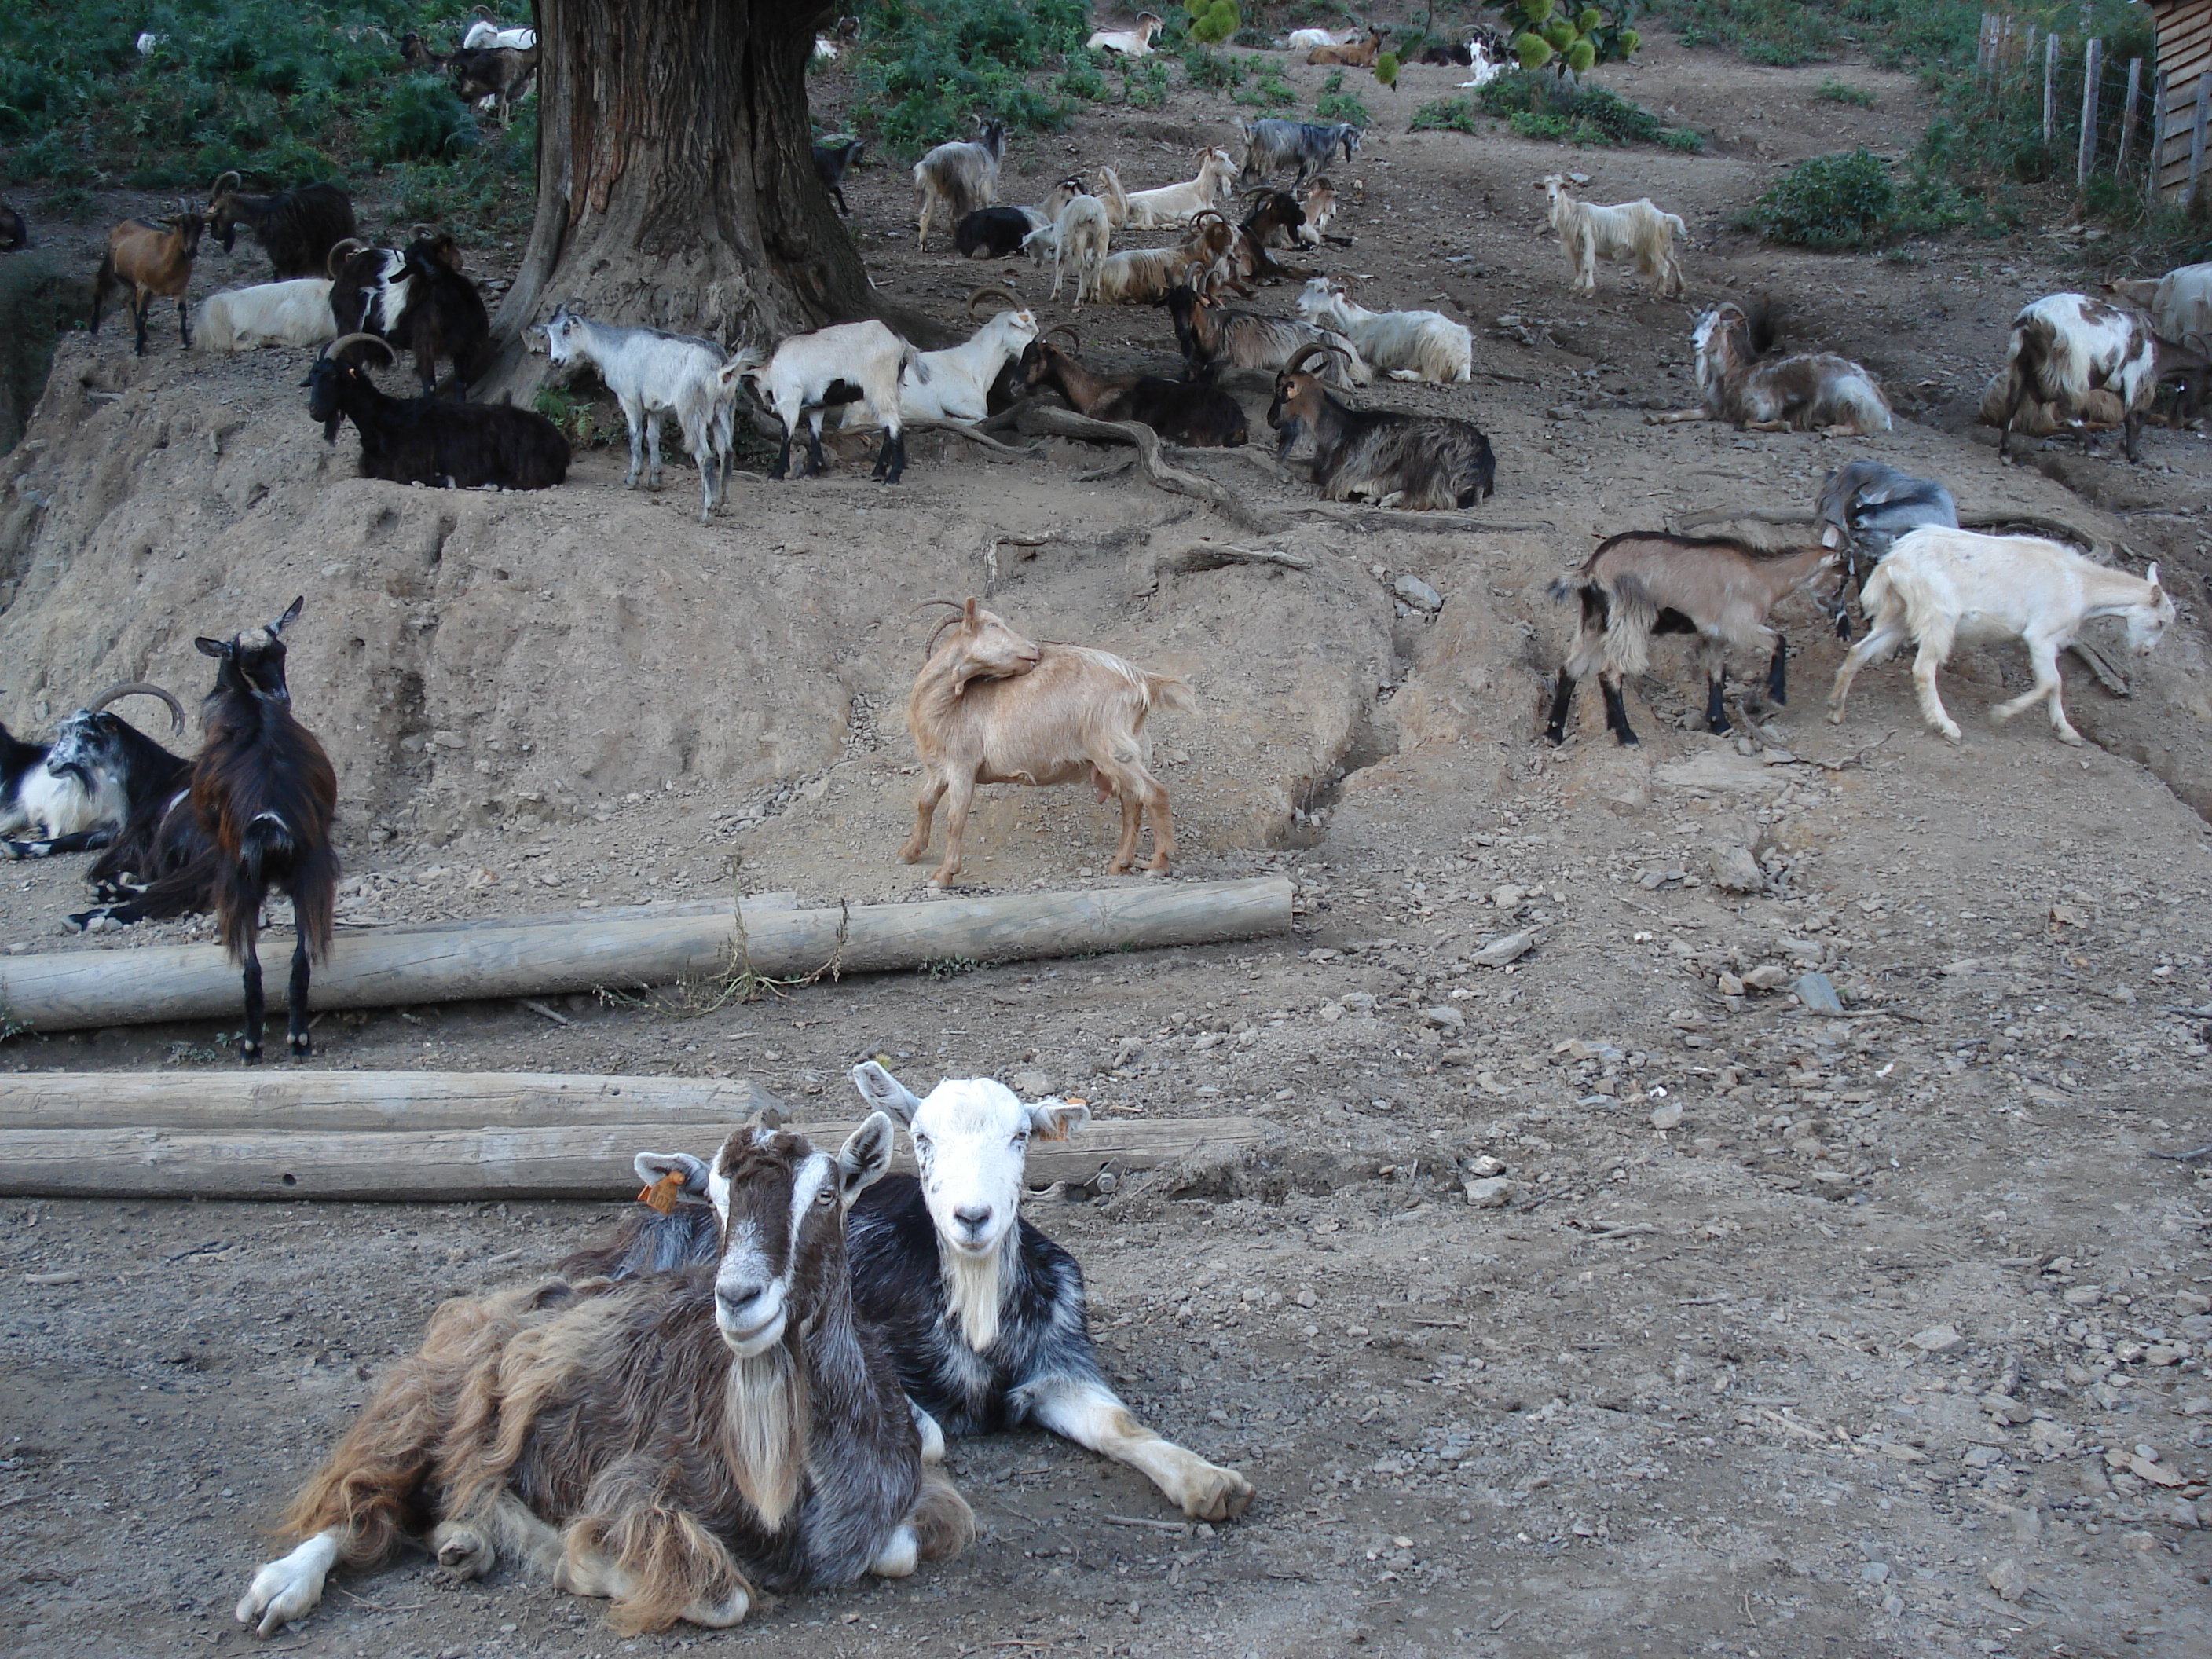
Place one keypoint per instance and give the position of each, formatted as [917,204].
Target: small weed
[1343,106]
[582,422]
[1270,91]
[1214,71]
[1834,91]
[949,967]
[1145,85]
[1445,114]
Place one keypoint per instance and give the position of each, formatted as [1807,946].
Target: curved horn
[1298,358]
[346,249]
[141,688]
[1208,213]
[377,340]
[422,232]
[1075,340]
[957,604]
[237,182]
[1007,294]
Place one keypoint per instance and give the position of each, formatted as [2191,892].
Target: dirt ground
[1787,1335]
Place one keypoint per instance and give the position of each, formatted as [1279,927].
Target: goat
[1382,455]
[1181,412]
[153,260]
[1319,204]
[74,793]
[15,235]
[1351,54]
[257,816]
[2179,303]
[847,362]
[1146,276]
[2064,347]
[1128,43]
[1863,509]
[369,288]
[678,1442]
[955,383]
[441,313]
[1307,40]
[1212,337]
[487,31]
[1938,587]
[496,76]
[1740,381]
[1080,237]
[296,228]
[1406,345]
[1635,230]
[415,53]
[1170,206]
[426,441]
[959,177]
[827,47]
[832,163]
[1485,58]
[984,1314]
[652,374]
[997,232]
[991,707]
[1308,146]
[1646,582]
[292,313]
[1274,217]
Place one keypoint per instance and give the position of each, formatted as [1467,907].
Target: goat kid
[153,259]
[1938,587]
[677,1441]
[991,707]
[1079,237]
[1635,230]
[1741,383]
[859,362]
[73,794]
[1645,582]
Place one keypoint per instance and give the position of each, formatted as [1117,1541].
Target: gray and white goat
[1273,144]
[73,794]
[653,375]
[958,178]
[1865,506]
[845,363]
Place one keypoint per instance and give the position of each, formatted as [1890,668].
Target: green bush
[1777,31]
[1213,21]
[423,120]
[1539,105]
[925,66]
[1145,83]
[1830,204]
[1834,91]
[1270,91]
[1214,71]
[1445,114]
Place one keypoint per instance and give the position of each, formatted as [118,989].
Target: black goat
[257,816]
[424,441]
[1276,220]
[417,54]
[1181,411]
[995,233]
[78,791]
[502,74]
[296,228]
[832,163]
[15,235]
[1382,455]
[418,300]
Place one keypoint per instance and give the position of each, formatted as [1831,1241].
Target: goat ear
[213,648]
[291,615]
[2151,577]
[886,1092]
[1056,1119]
[865,1157]
[686,1174]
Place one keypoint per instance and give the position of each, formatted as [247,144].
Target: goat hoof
[303,1046]
[249,1054]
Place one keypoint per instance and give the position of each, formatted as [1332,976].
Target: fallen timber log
[380,967]
[574,1160]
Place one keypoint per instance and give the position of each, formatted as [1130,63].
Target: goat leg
[1616,710]
[249,1040]
[815,466]
[895,453]
[1087,1411]
[782,467]
[296,1019]
[1777,673]
[1563,694]
[185,328]
[1717,719]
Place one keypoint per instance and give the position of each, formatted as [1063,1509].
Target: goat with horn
[78,791]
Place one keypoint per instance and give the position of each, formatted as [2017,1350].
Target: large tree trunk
[676,183]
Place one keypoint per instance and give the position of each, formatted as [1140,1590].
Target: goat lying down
[1938,587]
[984,1314]
[1740,381]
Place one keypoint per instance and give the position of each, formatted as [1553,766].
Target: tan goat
[991,707]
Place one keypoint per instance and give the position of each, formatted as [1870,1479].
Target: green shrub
[1335,104]
[423,119]
[1830,202]
[1834,91]
[1145,83]
[1080,77]
[1777,31]
[1213,21]
[1270,91]
[1539,105]
[1214,71]
[1443,114]
[925,66]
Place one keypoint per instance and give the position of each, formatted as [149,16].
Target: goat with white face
[984,1314]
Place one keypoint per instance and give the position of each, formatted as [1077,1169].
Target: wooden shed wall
[2185,56]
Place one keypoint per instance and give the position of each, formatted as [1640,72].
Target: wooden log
[379,967]
[350,1102]
[454,1165]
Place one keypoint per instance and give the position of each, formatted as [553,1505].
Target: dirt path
[1890,1341]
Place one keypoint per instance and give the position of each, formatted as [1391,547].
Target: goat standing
[1940,587]
[297,228]
[152,259]
[958,178]
[653,375]
[1635,230]
[991,707]
[677,1441]
[1863,509]
[2064,347]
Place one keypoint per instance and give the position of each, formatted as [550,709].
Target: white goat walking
[654,374]
[1407,346]
[1938,587]
[1629,230]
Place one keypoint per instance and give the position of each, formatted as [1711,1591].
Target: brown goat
[669,1441]
[991,707]
[154,259]
[1359,54]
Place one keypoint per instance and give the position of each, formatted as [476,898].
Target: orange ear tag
[663,1194]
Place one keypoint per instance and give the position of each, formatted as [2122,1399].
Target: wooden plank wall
[2184,52]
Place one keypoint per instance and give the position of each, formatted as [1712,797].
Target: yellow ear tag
[663,1194]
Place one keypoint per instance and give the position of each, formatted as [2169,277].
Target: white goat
[1483,69]
[1407,346]
[1740,381]
[1128,43]
[1319,204]
[652,374]
[958,178]
[2179,302]
[292,313]
[1629,230]
[1170,206]
[1937,588]
[1079,237]
[486,32]
[810,372]
[2065,346]
[955,383]
[1307,40]
[991,707]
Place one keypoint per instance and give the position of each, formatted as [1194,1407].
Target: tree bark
[676,185]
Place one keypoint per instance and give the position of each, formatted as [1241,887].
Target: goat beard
[972,1289]
[765,1431]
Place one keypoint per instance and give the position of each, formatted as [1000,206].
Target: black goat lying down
[983,1314]
[256,815]
[75,794]
[424,440]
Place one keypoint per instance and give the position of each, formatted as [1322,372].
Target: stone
[1767,977]
[1668,1116]
[2006,1410]
[1729,985]
[1892,1604]
[2189,1301]
[1445,1018]
[1033,1085]
[1493,1193]
[1483,1166]
[1506,897]
[1510,947]
[1876,1573]
[1736,871]
[1938,1339]
[1207,1040]
[2009,1579]
[1419,594]
[1818,993]
[1961,968]
[2184,1514]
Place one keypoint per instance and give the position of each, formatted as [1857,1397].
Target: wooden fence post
[2049,84]
[2197,135]
[2157,140]
[2127,115]
[2093,61]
